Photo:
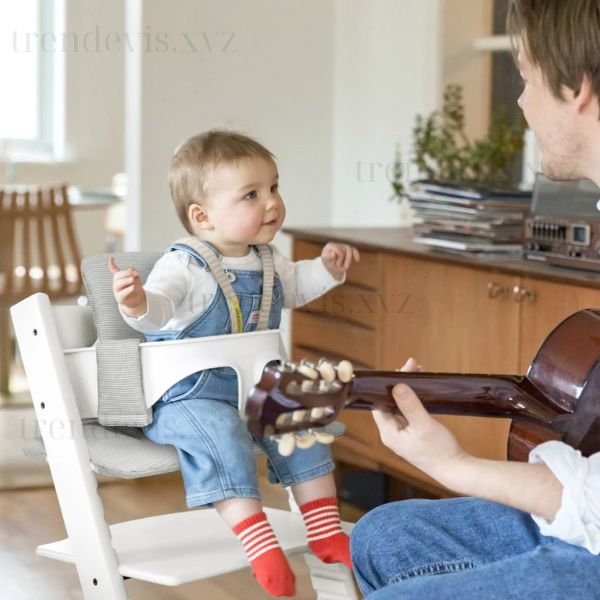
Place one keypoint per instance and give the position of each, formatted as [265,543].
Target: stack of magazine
[469,220]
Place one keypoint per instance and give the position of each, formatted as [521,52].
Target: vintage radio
[564,226]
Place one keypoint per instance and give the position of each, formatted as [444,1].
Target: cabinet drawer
[323,333]
[365,273]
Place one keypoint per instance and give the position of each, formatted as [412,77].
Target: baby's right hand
[128,290]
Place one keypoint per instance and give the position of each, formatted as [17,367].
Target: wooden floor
[30,516]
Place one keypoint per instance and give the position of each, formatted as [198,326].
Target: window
[30,123]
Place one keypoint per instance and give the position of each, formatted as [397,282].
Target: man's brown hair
[195,157]
[562,37]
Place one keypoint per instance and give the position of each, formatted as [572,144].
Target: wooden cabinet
[451,316]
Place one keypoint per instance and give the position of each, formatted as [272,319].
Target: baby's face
[243,202]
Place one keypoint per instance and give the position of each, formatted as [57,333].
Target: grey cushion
[118,451]
[125,452]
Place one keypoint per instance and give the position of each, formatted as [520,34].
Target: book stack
[469,220]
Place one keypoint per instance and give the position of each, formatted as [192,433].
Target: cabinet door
[443,315]
[540,314]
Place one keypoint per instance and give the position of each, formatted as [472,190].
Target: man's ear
[585,97]
[198,216]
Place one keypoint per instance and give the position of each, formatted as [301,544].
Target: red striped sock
[269,564]
[324,531]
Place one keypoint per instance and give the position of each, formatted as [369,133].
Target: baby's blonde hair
[195,157]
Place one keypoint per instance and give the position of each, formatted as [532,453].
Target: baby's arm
[166,287]
[337,258]
[305,280]
[128,290]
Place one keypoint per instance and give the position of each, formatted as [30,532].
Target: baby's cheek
[247,225]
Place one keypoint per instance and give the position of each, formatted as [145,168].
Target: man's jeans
[465,548]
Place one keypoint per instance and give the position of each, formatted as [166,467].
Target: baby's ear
[198,216]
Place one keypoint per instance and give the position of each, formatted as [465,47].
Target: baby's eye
[251,195]
[274,188]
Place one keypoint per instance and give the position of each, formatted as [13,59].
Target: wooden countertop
[399,240]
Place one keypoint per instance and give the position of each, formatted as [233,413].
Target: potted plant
[444,153]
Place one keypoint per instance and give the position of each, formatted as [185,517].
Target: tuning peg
[317,413]
[286,444]
[308,369]
[308,386]
[324,386]
[283,419]
[323,437]
[305,440]
[287,367]
[326,370]
[299,415]
[268,431]
[345,371]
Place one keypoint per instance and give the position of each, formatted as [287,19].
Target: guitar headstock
[294,401]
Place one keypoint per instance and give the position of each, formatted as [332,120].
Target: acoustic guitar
[558,399]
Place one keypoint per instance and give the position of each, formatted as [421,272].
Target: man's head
[196,159]
[558,45]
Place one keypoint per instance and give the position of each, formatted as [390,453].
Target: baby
[225,188]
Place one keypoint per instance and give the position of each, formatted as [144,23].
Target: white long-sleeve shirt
[178,290]
[578,518]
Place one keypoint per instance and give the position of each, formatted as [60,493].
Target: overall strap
[266,257]
[216,268]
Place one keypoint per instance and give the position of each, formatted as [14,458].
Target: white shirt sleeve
[578,518]
[303,281]
[167,285]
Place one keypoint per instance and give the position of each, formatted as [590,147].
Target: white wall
[274,81]
[328,85]
[387,69]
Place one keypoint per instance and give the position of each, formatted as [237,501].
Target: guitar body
[559,398]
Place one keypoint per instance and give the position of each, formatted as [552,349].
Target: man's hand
[337,258]
[128,290]
[431,447]
[415,435]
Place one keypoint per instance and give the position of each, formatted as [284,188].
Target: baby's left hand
[338,258]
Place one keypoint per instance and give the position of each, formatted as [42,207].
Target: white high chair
[173,549]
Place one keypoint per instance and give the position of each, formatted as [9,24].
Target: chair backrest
[40,252]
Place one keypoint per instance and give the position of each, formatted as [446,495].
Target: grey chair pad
[126,453]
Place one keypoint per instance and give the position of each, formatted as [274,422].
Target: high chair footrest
[178,548]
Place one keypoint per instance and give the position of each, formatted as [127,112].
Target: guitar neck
[507,396]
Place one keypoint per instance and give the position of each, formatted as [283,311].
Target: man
[531,530]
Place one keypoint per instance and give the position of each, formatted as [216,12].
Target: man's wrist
[454,473]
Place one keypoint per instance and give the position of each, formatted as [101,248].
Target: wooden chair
[39,253]
[60,363]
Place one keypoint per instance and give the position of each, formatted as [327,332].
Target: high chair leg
[330,582]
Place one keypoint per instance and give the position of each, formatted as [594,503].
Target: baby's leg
[318,505]
[269,564]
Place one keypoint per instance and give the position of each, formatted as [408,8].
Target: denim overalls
[199,415]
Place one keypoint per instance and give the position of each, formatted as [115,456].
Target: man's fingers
[356,254]
[410,366]
[409,404]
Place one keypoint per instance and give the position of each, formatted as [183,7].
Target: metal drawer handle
[496,291]
[520,294]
